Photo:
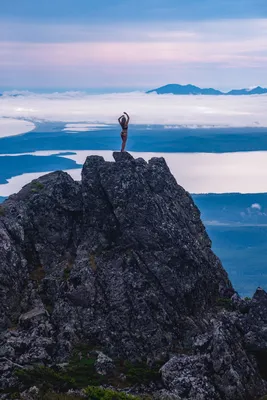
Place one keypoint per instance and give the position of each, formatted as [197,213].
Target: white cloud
[13,127]
[84,127]
[76,107]
[256,206]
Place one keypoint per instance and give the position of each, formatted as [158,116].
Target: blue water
[241,243]
[13,166]
[241,248]
[233,208]
[243,253]
[142,138]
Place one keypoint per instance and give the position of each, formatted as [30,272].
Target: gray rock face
[120,260]
[219,367]
[104,365]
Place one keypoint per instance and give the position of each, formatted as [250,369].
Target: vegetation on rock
[36,186]
[96,393]
[80,373]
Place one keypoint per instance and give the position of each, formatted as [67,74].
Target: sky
[132,44]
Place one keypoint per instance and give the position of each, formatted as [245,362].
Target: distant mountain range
[194,90]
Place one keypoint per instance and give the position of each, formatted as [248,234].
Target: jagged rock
[219,368]
[126,249]
[122,261]
[123,157]
[35,316]
[31,394]
[188,376]
[240,304]
[166,395]
[104,365]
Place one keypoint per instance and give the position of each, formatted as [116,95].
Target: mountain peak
[195,90]
[121,262]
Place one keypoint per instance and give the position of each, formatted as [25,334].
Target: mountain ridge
[121,264]
[177,89]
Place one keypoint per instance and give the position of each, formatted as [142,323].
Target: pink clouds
[119,54]
[116,53]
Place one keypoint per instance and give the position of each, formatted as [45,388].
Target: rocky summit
[112,282]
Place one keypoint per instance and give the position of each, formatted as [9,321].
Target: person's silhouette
[124,122]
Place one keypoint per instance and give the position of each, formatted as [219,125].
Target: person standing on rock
[124,122]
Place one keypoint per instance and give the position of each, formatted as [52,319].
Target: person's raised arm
[128,118]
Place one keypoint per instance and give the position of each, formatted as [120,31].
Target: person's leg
[121,140]
[124,140]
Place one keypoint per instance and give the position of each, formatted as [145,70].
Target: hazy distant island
[177,89]
[195,90]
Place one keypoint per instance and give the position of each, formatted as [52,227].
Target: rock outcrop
[121,261]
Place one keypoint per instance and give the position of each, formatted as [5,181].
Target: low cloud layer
[196,111]
[13,127]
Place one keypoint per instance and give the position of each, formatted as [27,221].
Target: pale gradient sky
[132,43]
